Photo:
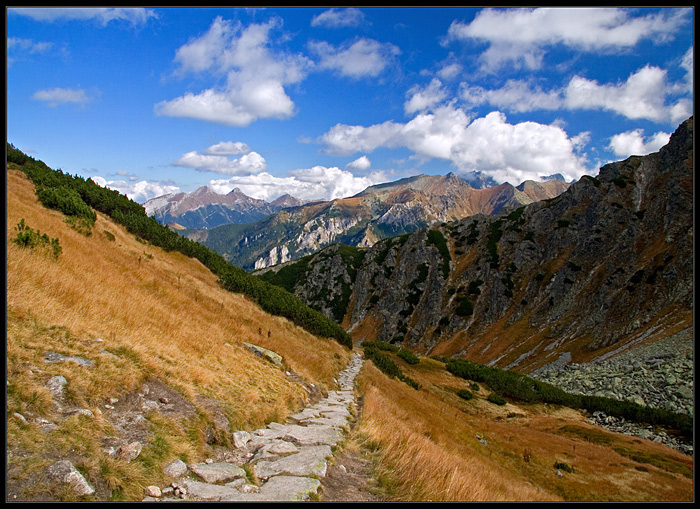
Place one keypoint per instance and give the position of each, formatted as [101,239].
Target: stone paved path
[288,459]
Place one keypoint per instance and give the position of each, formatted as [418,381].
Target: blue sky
[323,102]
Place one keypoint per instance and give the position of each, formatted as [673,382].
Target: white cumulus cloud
[521,37]
[141,191]
[133,15]
[363,57]
[255,75]
[216,159]
[643,95]
[423,98]
[361,163]
[317,183]
[633,143]
[505,152]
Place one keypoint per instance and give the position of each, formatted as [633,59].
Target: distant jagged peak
[286,201]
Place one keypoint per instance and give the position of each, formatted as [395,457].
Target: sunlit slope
[431,444]
[163,314]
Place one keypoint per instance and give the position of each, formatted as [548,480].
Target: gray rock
[308,461]
[63,471]
[57,357]
[214,493]
[241,439]
[288,488]
[130,452]
[56,385]
[176,469]
[217,472]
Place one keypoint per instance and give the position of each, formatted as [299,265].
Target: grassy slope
[426,446]
[165,316]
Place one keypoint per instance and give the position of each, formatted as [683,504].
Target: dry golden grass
[162,314]
[164,307]
[429,449]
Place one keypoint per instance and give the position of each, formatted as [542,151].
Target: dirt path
[349,477]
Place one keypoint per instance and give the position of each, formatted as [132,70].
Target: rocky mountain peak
[603,266]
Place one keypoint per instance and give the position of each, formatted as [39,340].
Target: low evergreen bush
[496,399]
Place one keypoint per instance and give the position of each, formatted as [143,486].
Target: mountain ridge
[376,213]
[606,263]
[205,208]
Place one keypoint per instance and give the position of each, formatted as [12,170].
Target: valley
[114,340]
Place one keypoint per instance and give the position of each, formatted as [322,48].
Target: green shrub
[464,307]
[474,287]
[437,239]
[407,356]
[563,466]
[523,388]
[465,394]
[27,237]
[496,399]
[66,200]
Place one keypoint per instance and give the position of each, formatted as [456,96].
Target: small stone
[20,417]
[176,469]
[241,439]
[208,461]
[130,451]
[56,384]
[65,472]
[153,491]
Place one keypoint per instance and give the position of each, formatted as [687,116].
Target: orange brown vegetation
[164,308]
[429,448]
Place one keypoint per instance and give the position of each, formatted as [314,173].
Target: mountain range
[378,212]
[205,208]
[603,266]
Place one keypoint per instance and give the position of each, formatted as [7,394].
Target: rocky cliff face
[379,212]
[605,265]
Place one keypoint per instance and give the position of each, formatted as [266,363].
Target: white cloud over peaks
[505,152]
[317,183]
[521,36]
[424,98]
[364,57]
[133,15]
[141,191]
[215,159]
[337,18]
[255,75]
[55,96]
[361,163]
[632,143]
